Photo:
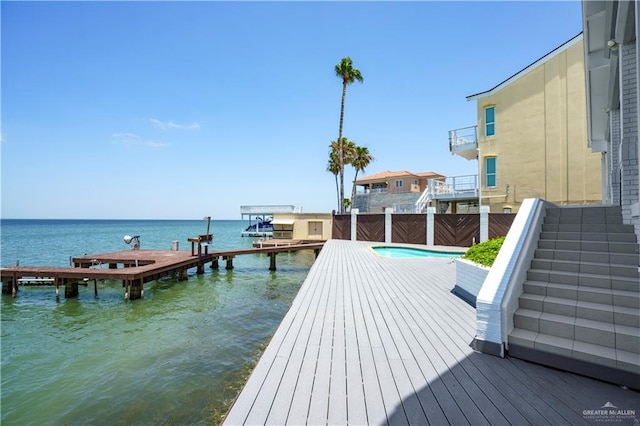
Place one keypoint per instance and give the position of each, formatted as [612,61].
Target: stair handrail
[497,299]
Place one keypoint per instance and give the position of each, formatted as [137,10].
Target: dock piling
[272,261]
[229,260]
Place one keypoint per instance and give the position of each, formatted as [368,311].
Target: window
[398,184]
[489,121]
[506,210]
[490,172]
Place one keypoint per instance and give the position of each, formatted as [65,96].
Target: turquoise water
[404,252]
[178,356]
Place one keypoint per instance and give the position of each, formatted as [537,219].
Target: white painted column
[388,211]
[354,224]
[484,223]
[430,220]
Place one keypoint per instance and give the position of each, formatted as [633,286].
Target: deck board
[372,340]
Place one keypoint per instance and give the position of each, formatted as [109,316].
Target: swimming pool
[404,252]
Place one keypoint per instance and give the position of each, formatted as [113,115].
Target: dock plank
[373,340]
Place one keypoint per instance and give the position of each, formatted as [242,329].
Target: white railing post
[387,224]
[430,220]
[484,223]
[354,224]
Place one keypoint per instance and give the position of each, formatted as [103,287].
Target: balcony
[455,188]
[464,142]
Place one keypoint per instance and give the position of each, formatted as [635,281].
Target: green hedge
[484,253]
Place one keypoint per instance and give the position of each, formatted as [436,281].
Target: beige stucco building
[302,226]
[530,138]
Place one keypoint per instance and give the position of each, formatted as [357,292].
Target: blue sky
[181,110]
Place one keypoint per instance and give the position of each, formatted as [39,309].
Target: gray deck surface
[373,340]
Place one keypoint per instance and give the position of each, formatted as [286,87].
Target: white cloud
[133,139]
[164,125]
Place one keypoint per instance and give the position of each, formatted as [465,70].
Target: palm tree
[335,160]
[333,166]
[348,74]
[360,160]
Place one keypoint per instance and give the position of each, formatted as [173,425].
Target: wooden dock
[383,341]
[135,267]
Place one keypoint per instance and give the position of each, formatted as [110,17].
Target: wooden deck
[373,340]
[135,267]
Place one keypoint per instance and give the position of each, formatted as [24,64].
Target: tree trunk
[341,149]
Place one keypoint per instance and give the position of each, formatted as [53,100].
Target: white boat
[262,228]
[260,218]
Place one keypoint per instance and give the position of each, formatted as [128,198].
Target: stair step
[616,237]
[589,256]
[577,266]
[621,315]
[585,279]
[600,246]
[597,354]
[577,226]
[585,211]
[606,296]
[615,336]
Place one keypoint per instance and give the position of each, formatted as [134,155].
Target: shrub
[484,253]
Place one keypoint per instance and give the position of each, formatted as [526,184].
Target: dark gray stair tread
[582,266]
[619,315]
[597,354]
[583,275]
[612,237]
[577,255]
[599,246]
[607,334]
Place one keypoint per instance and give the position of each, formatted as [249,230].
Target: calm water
[176,357]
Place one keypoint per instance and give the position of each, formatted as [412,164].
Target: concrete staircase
[580,308]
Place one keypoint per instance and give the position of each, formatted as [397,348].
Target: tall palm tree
[345,71]
[360,160]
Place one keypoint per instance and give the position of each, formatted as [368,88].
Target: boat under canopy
[259,218]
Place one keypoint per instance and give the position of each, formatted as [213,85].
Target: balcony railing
[464,142]
[452,188]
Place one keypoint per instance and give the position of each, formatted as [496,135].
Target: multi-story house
[530,137]
[399,190]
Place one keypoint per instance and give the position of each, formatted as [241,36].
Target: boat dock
[384,341]
[136,267]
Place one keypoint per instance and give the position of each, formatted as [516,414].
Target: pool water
[405,252]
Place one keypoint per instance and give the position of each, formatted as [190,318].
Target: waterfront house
[397,189]
[564,290]
[529,139]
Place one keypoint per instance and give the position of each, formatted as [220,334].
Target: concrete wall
[377,202]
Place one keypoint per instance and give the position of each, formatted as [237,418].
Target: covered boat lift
[257,215]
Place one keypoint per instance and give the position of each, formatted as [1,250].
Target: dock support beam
[136,290]
[272,261]
[70,289]
[229,260]
[10,287]
[200,269]
[214,263]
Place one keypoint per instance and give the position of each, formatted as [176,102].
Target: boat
[262,228]
[260,218]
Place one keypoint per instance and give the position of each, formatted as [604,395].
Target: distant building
[399,190]
[530,136]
